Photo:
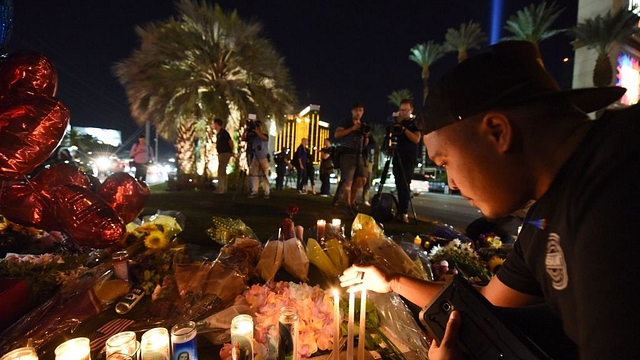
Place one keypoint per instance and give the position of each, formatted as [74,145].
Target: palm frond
[533,23]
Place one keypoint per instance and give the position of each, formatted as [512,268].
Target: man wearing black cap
[506,134]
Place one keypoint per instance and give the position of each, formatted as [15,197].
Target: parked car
[417,186]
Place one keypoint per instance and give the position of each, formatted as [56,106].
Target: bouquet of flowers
[315,315]
[462,257]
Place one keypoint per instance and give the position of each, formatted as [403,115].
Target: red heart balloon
[22,205]
[86,218]
[27,72]
[30,128]
[59,174]
[125,194]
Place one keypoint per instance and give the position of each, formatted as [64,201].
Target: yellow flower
[494,242]
[494,263]
[156,240]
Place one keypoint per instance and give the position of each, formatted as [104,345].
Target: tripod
[403,179]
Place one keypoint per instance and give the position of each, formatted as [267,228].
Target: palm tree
[202,64]
[602,33]
[398,95]
[469,36]
[425,55]
[533,23]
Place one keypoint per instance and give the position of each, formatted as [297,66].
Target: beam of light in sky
[496,20]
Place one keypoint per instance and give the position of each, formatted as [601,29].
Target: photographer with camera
[257,157]
[353,135]
[402,141]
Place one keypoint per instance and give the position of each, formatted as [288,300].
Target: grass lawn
[263,216]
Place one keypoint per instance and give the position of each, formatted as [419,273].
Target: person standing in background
[300,163]
[142,155]
[368,155]
[402,141]
[326,168]
[282,162]
[258,143]
[224,147]
[311,173]
[353,135]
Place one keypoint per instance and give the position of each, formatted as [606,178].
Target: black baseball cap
[507,73]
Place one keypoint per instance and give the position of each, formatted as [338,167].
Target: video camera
[365,128]
[252,123]
[394,130]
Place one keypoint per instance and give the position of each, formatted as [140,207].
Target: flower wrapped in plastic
[398,328]
[79,299]
[286,251]
[226,229]
[370,244]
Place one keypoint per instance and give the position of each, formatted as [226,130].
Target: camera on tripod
[393,131]
[252,124]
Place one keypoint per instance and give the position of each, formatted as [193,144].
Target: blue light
[496,20]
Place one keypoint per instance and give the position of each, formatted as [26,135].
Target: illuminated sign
[628,76]
[106,136]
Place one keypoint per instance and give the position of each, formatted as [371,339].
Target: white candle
[320,225]
[23,353]
[361,335]
[352,313]
[155,344]
[74,349]
[336,323]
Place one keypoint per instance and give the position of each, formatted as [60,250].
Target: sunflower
[494,264]
[156,240]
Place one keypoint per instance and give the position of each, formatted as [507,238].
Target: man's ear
[498,128]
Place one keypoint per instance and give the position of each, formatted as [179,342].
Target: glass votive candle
[184,345]
[155,344]
[337,226]
[74,349]
[23,353]
[242,337]
[124,343]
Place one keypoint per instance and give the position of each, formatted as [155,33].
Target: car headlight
[103,163]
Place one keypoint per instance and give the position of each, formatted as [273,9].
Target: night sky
[338,52]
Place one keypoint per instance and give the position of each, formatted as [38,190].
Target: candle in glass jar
[74,349]
[23,353]
[184,341]
[336,323]
[361,325]
[242,337]
[337,226]
[320,225]
[122,343]
[155,344]
[350,324]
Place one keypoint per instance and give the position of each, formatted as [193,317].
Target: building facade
[306,124]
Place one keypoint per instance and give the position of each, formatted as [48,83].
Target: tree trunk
[603,72]
[185,148]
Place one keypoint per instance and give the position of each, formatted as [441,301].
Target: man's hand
[448,349]
[367,277]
